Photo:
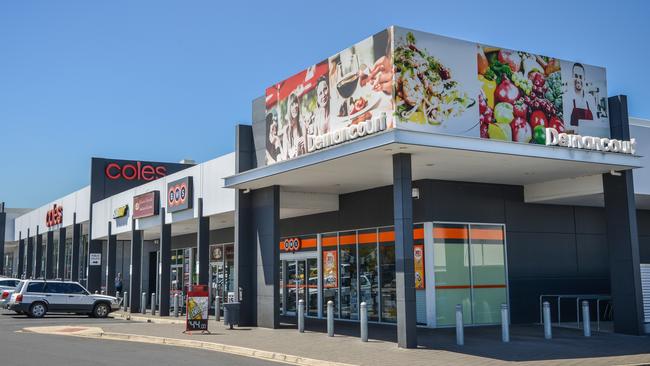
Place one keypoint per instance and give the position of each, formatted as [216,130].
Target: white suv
[37,297]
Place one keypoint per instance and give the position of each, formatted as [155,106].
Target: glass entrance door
[299,281]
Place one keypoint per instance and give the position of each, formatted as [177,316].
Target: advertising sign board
[406,79]
[197,309]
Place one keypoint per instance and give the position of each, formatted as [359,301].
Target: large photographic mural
[407,79]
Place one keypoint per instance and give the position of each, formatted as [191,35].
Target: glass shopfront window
[369,272]
[387,272]
[348,275]
[329,242]
[469,270]
[222,265]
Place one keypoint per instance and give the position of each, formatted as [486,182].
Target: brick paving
[483,345]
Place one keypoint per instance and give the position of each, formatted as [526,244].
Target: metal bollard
[460,336]
[585,319]
[548,334]
[330,318]
[117,294]
[217,308]
[96,292]
[125,302]
[176,305]
[505,327]
[364,322]
[153,303]
[143,303]
[301,316]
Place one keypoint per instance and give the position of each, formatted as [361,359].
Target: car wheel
[101,310]
[37,310]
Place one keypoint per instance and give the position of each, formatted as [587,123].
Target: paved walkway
[483,345]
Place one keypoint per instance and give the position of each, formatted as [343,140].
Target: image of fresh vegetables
[521,131]
[538,118]
[510,58]
[504,113]
[539,135]
[506,91]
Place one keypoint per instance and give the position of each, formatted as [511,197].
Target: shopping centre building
[411,171]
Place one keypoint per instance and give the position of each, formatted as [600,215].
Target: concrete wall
[550,248]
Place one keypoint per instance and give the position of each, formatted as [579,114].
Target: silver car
[38,297]
[7,287]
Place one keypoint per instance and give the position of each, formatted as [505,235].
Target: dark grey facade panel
[551,248]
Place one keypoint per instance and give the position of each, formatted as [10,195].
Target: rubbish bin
[231,313]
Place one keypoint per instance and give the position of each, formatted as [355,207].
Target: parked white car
[38,297]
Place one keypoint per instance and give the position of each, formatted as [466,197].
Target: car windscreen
[36,287]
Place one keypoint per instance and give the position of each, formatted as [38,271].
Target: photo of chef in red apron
[581,108]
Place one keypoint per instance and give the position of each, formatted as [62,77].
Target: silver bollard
[548,334]
[505,327]
[96,292]
[330,318]
[143,303]
[586,322]
[217,308]
[301,316]
[153,303]
[176,305]
[460,335]
[125,302]
[364,322]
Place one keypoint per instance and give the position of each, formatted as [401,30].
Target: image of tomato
[538,118]
[557,124]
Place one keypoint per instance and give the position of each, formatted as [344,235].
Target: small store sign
[95,259]
[120,212]
[179,195]
[146,205]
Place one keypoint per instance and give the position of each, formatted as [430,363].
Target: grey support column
[3,225]
[110,261]
[265,207]
[21,255]
[165,263]
[29,270]
[203,245]
[134,269]
[404,271]
[38,251]
[245,282]
[49,255]
[94,271]
[622,235]
[60,268]
[76,245]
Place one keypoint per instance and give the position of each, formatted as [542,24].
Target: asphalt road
[28,349]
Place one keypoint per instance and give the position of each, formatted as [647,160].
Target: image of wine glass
[347,74]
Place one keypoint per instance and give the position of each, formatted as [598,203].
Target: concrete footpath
[436,347]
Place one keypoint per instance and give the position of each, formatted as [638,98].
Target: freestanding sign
[197,306]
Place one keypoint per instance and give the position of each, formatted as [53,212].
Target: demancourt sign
[556,138]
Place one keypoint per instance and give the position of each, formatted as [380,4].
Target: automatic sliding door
[452,272]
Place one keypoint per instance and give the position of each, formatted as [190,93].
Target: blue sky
[165,80]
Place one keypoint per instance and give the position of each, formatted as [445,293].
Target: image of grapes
[520,96]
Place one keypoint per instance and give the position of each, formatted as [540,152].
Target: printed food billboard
[401,78]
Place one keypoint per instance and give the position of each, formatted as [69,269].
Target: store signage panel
[556,138]
[423,82]
[95,259]
[146,205]
[121,211]
[290,244]
[179,195]
[134,171]
[54,216]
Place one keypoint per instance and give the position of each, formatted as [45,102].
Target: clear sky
[166,80]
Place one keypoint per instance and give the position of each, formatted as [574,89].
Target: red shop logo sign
[291,245]
[137,171]
[177,194]
[54,216]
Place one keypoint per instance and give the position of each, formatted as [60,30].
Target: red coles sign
[54,216]
[137,171]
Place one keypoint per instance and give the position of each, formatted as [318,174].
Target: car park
[38,297]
